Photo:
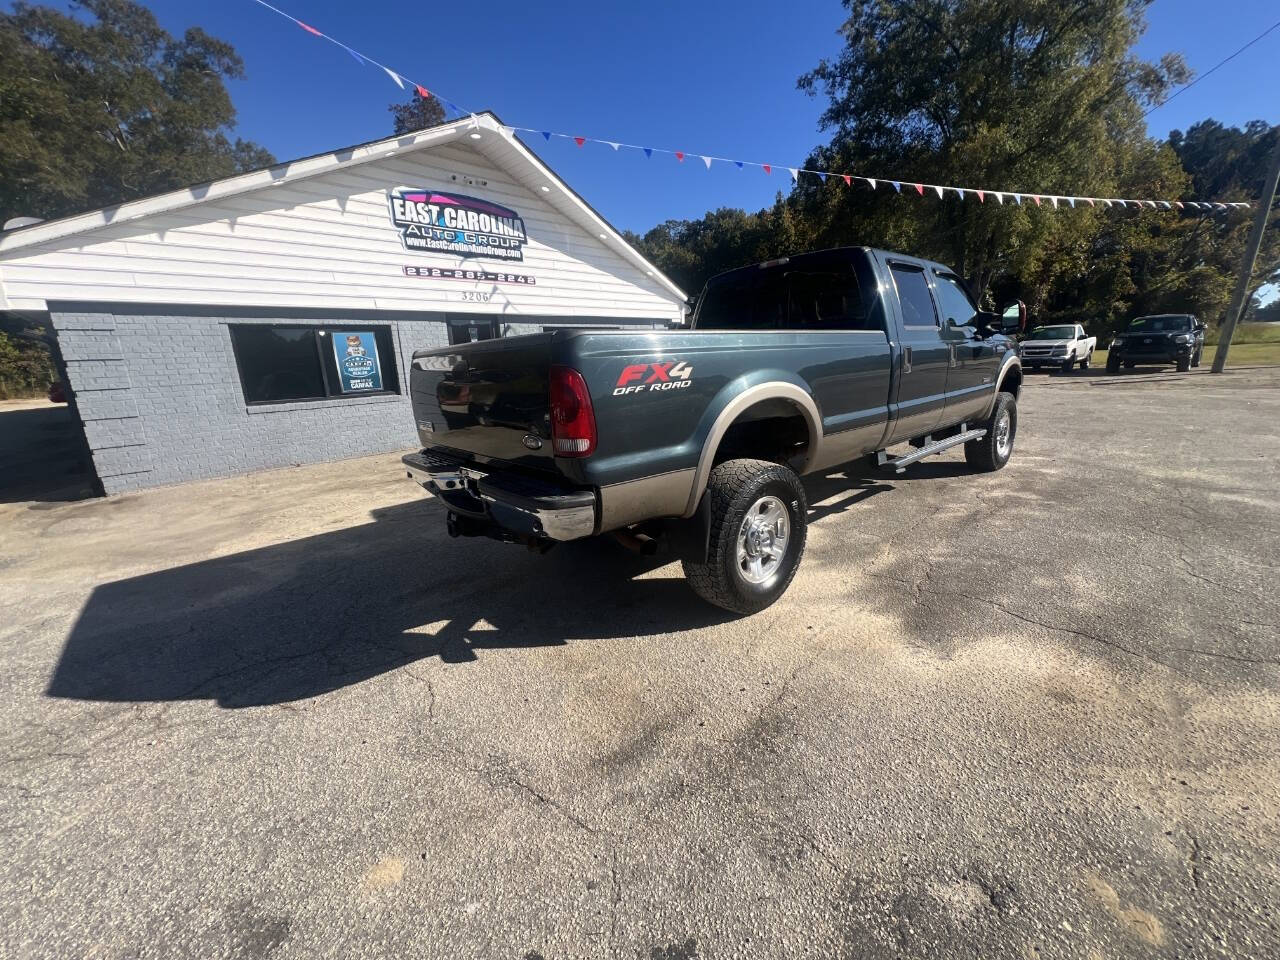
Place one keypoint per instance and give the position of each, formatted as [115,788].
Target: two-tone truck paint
[699,436]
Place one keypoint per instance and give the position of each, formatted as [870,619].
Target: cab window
[954,300]
[913,294]
[826,298]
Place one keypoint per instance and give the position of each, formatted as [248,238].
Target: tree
[418,114]
[99,109]
[1032,96]
[1227,163]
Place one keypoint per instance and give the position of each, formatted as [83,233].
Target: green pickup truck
[697,438]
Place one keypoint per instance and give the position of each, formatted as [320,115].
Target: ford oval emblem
[532,442]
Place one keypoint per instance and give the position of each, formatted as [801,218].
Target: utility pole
[1246,266]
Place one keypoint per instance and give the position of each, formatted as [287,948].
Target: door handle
[906,359]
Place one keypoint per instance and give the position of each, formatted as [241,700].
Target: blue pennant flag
[823,177]
[738,164]
[648,151]
[547,134]
[359,59]
[896,185]
[453,106]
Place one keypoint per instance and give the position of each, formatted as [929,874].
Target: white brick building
[269,318]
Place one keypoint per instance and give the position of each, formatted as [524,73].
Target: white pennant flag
[612,144]
[872,182]
[395,76]
[1000,198]
[707,161]
[939,189]
[1055,202]
[795,174]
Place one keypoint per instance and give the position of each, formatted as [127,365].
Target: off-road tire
[1113,364]
[1195,360]
[985,454]
[1084,364]
[1183,365]
[734,486]
[1068,365]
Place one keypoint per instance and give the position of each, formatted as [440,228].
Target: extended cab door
[923,356]
[973,359]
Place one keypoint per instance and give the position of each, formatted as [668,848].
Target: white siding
[327,242]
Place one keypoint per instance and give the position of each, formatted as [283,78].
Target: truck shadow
[298,619]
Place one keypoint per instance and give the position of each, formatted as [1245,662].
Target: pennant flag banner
[821,175]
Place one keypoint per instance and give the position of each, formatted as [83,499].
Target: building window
[283,362]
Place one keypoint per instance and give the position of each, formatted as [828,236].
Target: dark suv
[1176,338]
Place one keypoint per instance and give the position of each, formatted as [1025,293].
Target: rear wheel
[993,451]
[1129,364]
[758,516]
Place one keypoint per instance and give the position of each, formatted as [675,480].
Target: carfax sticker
[649,377]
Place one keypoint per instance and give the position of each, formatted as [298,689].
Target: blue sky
[712,76]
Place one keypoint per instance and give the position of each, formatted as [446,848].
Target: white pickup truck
[1062,346]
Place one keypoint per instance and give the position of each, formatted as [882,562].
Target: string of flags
[899,186]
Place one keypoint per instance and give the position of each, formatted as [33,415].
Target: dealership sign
[450,223]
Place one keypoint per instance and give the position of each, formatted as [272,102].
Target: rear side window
[954,300]
[745,301]
[913,294]
[826,299]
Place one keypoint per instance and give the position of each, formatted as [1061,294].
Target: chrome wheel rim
[1004,434]
[763,539]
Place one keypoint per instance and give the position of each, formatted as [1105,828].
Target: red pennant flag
[579,140]
[680,156]
[1091,203]
[1036,198]
[919,188]
[309,29]
[767,168]
[981,197]
[1178,204]
[423,92]
[848,180]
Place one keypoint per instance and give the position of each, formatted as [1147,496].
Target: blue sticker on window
[357,356]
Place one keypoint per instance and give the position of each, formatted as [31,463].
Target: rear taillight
[573,422]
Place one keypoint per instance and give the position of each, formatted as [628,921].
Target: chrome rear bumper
[515,502]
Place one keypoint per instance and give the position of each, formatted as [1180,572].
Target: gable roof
[483,131]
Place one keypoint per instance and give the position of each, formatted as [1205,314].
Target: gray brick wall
[161,400]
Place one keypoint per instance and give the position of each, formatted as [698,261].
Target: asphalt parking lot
[1028,714]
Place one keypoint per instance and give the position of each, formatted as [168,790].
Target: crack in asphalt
[616,903]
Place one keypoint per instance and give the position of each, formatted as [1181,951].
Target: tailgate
[488,399]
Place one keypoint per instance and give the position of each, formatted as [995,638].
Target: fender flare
[1011,361]
[770,390]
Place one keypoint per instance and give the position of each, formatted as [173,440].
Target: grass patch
[1247,333]
[1246,354]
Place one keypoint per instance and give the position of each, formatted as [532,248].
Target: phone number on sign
[482,276]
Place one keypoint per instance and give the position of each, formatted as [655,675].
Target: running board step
[930,447]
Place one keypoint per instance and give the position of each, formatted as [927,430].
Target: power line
[1221,63]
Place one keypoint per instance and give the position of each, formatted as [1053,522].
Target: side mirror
[1012,318]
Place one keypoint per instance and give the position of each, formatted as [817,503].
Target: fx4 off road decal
[648,377]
